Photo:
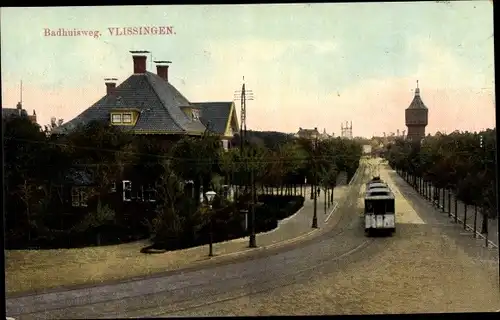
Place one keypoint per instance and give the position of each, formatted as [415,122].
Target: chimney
[139,61]
[110,86]
[162,69]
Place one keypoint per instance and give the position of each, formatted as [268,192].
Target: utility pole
[245,95]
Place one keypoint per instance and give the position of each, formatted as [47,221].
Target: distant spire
[417,90]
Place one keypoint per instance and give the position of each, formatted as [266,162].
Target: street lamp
[315,216]
[484,225]
[210,198]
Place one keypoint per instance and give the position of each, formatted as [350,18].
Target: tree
[457,161]
[25,151]
[197,159]
[167,226]
[99,147]
[54,123]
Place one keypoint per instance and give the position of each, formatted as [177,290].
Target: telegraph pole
[245,95]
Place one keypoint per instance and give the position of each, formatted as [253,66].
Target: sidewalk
[449,206]
[33,271]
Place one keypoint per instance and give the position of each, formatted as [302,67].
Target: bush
[229,222]
[275,208]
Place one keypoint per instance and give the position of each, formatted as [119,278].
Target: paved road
[299,279]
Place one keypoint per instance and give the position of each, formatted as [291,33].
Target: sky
[308,65]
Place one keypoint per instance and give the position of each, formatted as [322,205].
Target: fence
[469,217]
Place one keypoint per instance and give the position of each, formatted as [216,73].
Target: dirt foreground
[442,279]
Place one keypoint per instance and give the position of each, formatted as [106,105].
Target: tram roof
[377,185]
[386,197]
[388,194]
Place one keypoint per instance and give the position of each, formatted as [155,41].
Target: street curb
[280,243]
[277,244]
[280,222]
[331,212]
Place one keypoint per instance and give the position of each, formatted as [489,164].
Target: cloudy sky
[312,65]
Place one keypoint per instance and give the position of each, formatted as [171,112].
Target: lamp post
[210,198]
[484,225]
[315,216]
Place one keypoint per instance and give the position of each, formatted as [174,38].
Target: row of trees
[462,162]
[40,167]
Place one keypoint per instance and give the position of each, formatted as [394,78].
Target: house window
[116,118]
[127,118]
[113,187]
[225,144]
[79,197]
[127,190]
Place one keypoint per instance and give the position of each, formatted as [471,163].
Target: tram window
[378,193]
[389,206]
[369,206]
[379,207]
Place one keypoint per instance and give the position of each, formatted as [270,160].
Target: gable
[215,115]
[232,125]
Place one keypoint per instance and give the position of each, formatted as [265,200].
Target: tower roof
[417,102]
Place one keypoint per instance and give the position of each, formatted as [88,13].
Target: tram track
[262,274]
[260,290]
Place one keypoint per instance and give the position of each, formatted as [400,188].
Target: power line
[166,157]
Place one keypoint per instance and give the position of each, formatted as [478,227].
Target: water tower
[416,117]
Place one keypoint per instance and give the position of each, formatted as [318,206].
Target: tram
[379,214]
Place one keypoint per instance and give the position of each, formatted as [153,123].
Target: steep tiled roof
[417,102]
[157,101]
[217,113]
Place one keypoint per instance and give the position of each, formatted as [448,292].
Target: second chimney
[162,69]
[139,61]
[110,86]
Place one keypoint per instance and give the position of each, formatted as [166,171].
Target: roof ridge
[151,79]
[212,102]
[148,80]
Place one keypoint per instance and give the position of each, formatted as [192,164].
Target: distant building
[307,133]
[18,111]
[416,117]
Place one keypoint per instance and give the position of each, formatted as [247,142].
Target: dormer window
[116,118]
[127,118]
[123,117]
